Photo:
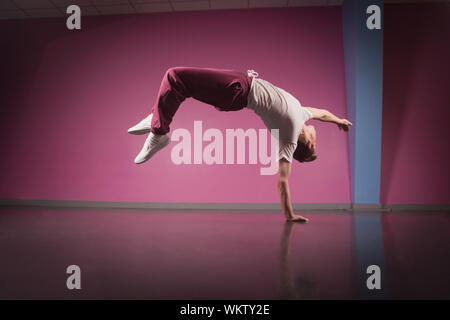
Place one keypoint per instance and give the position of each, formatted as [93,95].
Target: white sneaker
[142,127]
[152,145]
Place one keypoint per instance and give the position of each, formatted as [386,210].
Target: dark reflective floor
[142,254]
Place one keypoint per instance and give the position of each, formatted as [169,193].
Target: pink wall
[69,97]
[416,104]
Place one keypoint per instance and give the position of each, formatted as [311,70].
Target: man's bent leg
[225,89]
[172,93]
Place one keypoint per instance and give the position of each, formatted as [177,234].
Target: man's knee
[173,72]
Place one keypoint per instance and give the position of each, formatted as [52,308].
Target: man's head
[306,145]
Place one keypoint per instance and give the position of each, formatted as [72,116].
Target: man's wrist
[290,215]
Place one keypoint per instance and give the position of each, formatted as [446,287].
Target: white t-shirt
[278,109]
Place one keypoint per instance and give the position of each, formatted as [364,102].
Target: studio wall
[68,98]
[416,104]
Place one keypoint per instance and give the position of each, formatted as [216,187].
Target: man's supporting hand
[284,171]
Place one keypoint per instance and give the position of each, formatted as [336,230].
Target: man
[229,90]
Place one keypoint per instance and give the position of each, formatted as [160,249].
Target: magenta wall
[416,104]
[69,97]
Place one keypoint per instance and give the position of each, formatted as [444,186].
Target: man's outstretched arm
[284,171]
[327,116]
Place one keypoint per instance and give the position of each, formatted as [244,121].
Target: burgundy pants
[227,90]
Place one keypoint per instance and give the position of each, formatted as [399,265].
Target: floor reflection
[417,250]
[141,254]
[292,286]
[316,259]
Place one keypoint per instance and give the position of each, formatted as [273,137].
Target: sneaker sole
[138,132]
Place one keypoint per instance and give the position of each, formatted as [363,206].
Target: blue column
[364,81]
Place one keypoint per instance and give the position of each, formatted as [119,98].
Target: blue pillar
[364,81]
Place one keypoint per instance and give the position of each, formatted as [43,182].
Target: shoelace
[252,73]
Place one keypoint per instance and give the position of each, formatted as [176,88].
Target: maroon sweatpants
[227,90]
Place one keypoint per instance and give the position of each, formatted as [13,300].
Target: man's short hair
[304,154]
